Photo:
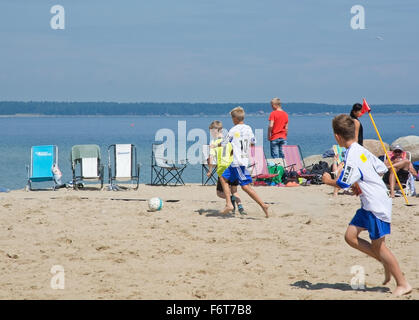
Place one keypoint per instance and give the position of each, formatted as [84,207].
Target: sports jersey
[362,167]
[241,137]
[222,155]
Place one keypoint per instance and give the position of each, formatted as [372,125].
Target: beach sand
[116,249]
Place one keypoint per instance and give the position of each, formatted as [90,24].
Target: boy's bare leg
[226,188]
[353,239]
[238,200]
[387,257]
[221,194]
[235,194]
[252,193]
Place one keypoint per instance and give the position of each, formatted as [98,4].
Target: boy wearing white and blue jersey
[362,172]
[241,138]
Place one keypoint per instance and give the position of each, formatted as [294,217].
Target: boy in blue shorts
[241,138]
[362,172]
[222,157]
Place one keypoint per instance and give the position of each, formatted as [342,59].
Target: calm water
[18,134]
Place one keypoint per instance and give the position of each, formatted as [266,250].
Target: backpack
[320,168]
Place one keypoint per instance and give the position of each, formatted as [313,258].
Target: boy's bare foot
[401,290]
[227,210]
[265,209]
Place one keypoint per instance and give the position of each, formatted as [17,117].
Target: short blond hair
[216,125]
[237,113]
[276,102]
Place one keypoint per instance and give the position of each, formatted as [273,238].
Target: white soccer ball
[155,204]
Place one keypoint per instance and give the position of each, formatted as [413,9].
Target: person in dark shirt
[359,131]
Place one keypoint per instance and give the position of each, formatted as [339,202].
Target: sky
[210,51]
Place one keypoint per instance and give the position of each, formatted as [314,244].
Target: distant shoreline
[183,115]
[145,109]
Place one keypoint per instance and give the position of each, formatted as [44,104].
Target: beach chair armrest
[163,160]
[183,161]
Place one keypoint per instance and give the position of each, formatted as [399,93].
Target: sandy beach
[112,247]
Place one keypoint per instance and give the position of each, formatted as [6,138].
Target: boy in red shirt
[278,128]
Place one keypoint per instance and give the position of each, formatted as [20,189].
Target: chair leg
[204,172]
[159,179]
[155,180]
[176,177]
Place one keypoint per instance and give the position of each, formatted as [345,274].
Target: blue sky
[210,51]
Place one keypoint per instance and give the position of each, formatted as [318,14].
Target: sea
[313,133]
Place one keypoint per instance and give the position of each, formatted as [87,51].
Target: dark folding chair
[212,179]
[165,170]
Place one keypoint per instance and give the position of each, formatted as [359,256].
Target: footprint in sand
[199,294]
[102,248]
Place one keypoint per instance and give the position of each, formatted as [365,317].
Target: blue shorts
[367,220]
[239,174]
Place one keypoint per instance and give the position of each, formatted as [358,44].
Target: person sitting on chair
[401,165]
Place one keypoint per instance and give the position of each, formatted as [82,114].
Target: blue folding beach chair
[42,160]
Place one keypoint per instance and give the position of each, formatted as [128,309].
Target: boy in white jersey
[362,171]
[241,138]
[222,157]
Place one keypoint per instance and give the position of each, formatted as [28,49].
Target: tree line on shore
[171,108]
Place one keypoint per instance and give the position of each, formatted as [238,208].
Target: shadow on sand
[218,214]
[337,286]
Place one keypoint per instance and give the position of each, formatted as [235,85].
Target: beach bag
[279,170]
[320,168]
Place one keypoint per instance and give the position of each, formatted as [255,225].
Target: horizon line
[183,102]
